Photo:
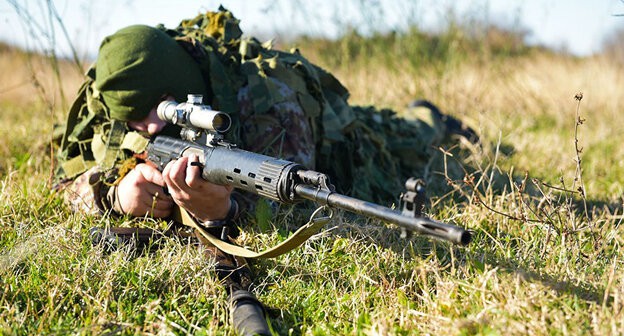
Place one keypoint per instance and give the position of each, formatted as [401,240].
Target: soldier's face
[150,124]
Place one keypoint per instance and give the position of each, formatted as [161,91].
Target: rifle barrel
[421,225]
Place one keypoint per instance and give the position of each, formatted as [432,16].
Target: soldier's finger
[158,194]
[151,174]
[162,196]
[165,174]
[160,213]
[193,172]
[153,190]
[177,173]
[155,206]
[168,174]
[162,204]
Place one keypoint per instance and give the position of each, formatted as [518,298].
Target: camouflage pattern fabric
[379,153]
[84,195]
[284,131]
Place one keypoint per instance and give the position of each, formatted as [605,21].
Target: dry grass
[32,79]
[539,264]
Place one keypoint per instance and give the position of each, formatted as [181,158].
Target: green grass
[539,264]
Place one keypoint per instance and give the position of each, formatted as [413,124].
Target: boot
[453,126]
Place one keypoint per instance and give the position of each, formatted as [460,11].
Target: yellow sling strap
[295,240]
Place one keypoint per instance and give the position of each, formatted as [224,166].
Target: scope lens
[221,123]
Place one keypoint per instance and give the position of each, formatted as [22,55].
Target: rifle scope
[193,114]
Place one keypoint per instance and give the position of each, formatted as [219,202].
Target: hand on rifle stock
[202,199]
[141,192]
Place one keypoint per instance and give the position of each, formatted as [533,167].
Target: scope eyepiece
[193,114]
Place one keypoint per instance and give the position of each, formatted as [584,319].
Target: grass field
[543,197]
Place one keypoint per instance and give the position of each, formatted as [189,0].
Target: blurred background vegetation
[547,259]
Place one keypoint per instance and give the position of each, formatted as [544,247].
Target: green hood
[139,64]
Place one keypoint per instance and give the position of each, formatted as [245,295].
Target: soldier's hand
[141,192]
[202,199]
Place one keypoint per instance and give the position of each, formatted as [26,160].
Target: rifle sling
[295,240]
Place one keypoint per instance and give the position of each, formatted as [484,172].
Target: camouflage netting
[368,153]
